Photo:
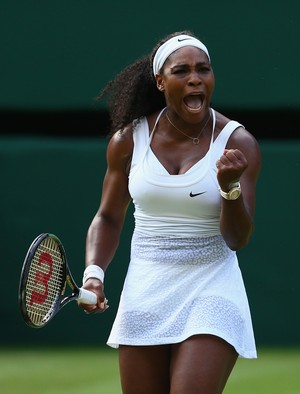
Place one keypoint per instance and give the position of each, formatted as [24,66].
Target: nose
[194,79]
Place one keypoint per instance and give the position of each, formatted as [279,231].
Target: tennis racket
[44,278]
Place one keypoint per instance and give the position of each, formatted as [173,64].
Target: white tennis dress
[182,278]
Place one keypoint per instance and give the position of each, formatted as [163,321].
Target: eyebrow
[187,65]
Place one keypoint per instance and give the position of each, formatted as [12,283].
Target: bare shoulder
[120,148]
[246,143]
[241,138]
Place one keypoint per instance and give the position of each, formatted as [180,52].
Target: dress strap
[213,127]
[218,145]
[155,124]
[142,141]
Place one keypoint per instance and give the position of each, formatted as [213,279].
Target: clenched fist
[230,167]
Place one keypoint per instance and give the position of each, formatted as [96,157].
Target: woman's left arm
[240,162]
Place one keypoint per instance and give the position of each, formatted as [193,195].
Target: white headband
[174,43]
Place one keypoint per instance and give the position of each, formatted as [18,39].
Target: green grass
[59,371]
[86,371]
[276,371]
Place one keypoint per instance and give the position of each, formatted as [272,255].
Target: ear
[160,82]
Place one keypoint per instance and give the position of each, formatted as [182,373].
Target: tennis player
[183,317]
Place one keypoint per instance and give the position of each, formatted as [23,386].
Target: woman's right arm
[104,232]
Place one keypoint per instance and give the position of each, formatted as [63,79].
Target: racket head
[43,280]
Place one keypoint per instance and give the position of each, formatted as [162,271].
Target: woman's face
[188,83]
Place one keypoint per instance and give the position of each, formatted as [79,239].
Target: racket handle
[87,297]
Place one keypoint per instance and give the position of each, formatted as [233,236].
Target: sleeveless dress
[182,279]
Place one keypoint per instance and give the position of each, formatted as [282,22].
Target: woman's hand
[230,167]
[97,287]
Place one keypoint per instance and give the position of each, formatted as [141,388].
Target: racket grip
[87,297]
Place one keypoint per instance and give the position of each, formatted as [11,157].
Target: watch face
[235,193]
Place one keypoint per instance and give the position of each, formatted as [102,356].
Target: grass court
[95,371]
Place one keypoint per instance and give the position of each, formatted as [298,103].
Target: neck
[197,129]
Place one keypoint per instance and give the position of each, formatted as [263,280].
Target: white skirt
[179,287]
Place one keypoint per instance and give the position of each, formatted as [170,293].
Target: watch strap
[233,193]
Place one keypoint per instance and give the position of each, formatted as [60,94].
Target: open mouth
[194,102]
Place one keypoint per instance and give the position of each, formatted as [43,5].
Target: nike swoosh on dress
[196,194]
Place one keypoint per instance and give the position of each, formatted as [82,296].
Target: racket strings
[45,281]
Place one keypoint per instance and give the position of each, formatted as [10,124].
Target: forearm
[102,241]
[236,223]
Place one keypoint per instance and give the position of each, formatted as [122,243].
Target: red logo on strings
[43,278]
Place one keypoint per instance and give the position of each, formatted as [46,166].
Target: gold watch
[233,193]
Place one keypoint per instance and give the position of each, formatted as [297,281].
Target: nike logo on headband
[183,39]
[196,194]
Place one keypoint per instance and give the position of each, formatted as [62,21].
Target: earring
[161,88]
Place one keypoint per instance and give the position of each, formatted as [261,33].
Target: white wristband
[93,271]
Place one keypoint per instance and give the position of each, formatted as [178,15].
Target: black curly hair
[133,92]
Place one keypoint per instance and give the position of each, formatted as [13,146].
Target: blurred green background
[59,53]
[55,57]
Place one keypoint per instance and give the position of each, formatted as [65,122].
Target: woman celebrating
[183,317]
